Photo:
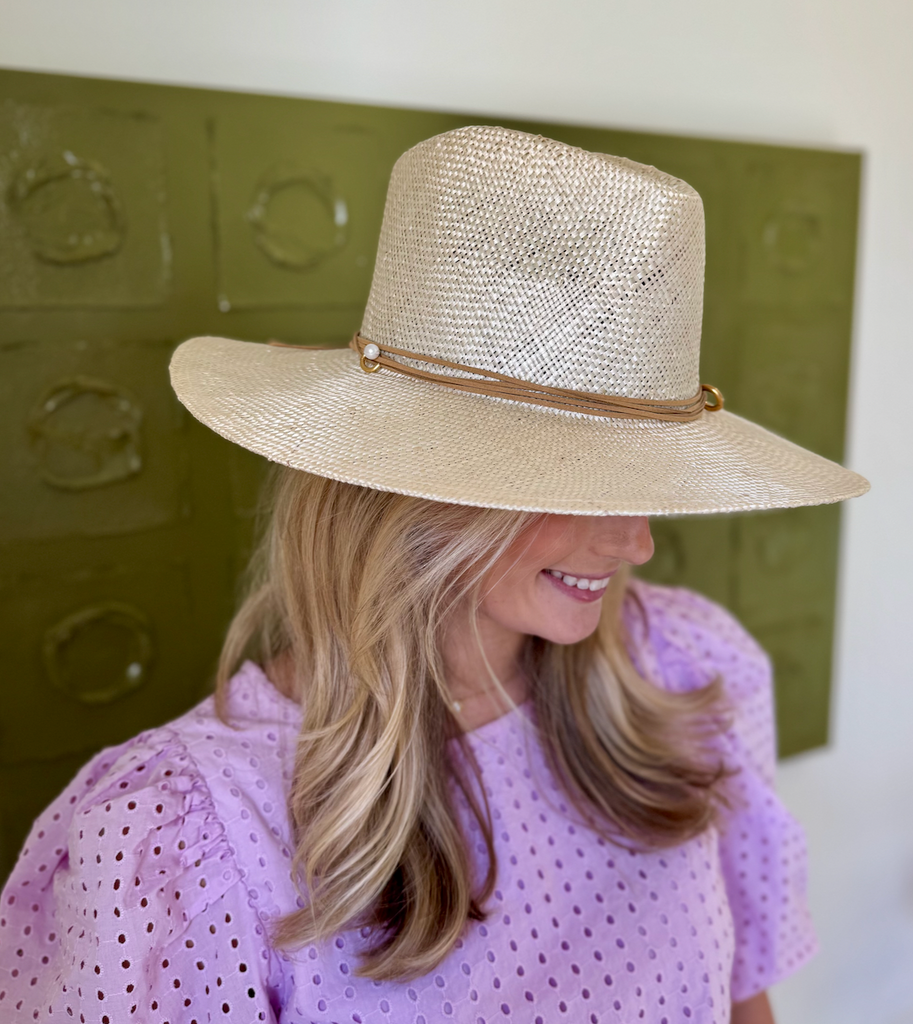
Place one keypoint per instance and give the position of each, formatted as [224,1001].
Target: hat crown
[542,261]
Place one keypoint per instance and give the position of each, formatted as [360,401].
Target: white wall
[819,72]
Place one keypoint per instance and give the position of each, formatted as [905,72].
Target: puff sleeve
[125,903]
[687,641]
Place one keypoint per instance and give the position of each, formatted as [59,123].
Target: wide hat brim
[318,411]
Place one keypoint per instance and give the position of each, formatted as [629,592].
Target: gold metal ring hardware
[717,397]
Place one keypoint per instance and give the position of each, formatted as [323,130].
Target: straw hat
[531,341]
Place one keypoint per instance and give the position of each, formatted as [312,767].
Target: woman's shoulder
[169,776]
[184,756]
[681,614]
[148,837]
[682,640]
[182,762]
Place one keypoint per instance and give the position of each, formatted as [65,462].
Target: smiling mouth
[584,583]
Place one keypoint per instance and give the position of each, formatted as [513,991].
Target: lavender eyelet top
[145,892]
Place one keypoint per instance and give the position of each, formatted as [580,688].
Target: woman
[458,766]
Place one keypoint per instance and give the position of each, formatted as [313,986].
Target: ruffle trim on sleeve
[151,850]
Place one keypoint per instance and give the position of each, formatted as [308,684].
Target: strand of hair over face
[349,596]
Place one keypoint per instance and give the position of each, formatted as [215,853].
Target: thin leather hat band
[499,385]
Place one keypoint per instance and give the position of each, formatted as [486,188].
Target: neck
[475,697]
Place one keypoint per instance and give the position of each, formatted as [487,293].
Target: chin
[566,633]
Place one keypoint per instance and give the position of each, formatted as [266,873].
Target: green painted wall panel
[83,218]
[133,216]
[94,445]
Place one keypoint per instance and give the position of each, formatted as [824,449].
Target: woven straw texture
[527,257]
[522,255]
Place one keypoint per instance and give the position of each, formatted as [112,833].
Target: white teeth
[580,582]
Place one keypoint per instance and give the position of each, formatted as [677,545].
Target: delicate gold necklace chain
[457,704]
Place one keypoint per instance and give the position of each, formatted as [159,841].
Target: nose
[626,537]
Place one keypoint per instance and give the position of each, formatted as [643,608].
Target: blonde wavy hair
[349,597]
